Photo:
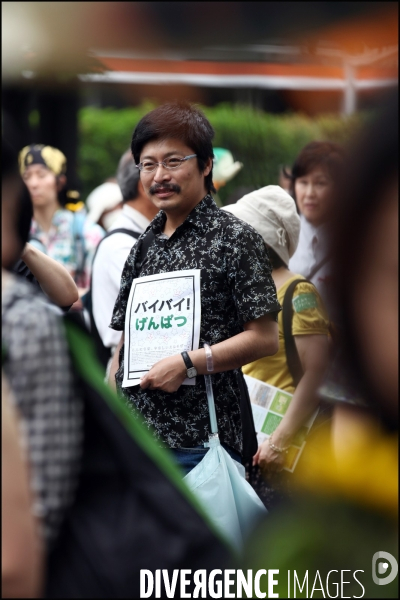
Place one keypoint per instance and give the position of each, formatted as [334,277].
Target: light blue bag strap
[209,390]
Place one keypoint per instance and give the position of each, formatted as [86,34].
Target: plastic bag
[219,483]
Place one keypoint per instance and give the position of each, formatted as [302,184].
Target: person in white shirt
[314,175]
[137,212]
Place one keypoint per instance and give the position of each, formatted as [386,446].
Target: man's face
[42,185]
[176,191]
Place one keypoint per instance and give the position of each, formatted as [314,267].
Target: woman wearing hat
[272,212]
[64,235]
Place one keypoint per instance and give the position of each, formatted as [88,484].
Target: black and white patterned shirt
[40,374]
[236,287]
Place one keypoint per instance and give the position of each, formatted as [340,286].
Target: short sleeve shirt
[309,318]
[236,287]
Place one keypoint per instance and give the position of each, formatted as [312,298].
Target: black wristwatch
[191,370]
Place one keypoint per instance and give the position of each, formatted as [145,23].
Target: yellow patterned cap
[50,157]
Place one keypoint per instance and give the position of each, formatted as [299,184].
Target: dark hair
[366,179]
[316,154]
[181,121]
[62,194]
[25,215]
[128,177]
[275,259]
[23,203]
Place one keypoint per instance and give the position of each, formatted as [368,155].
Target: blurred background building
[277,57]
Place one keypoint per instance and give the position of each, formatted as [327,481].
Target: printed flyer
[162,318]
[269,406]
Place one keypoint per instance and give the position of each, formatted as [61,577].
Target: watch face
[191,372]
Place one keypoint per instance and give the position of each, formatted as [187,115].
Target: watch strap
[187,361]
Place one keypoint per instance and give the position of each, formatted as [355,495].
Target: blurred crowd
[330,227]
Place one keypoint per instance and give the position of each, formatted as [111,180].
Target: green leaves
[261,141]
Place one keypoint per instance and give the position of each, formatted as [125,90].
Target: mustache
[173,187]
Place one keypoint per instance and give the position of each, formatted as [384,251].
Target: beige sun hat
[272,212]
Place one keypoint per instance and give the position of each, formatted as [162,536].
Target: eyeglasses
[148,166]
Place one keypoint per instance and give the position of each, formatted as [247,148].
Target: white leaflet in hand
[162,319]
[269,405]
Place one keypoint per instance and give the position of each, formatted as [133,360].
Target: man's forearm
[313,354]
[241,349]
[259,339]
[53,278]
[305,401]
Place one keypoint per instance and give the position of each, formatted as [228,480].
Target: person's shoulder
[235,226]
[305,287]
[129,236]
[118,239]
[120,222]
[129,232]
[307,300]
[91,227]
[112,247]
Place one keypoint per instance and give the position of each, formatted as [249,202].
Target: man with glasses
[172,147]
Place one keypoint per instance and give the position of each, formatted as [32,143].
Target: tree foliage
[261,141]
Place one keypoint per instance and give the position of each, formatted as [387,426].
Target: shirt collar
[198,217]
[134,215]
[59,216]
[309,226]
[308,229]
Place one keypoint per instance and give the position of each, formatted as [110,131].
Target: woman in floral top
[64,235]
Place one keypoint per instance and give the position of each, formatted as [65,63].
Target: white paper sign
[163,318]
[269,405]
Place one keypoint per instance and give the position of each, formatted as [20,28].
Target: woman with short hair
[313,179]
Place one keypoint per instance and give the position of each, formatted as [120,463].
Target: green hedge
[261,141]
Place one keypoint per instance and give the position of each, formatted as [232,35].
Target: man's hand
[167,375]
[268,459]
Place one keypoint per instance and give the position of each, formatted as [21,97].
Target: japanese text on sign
[163,318]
